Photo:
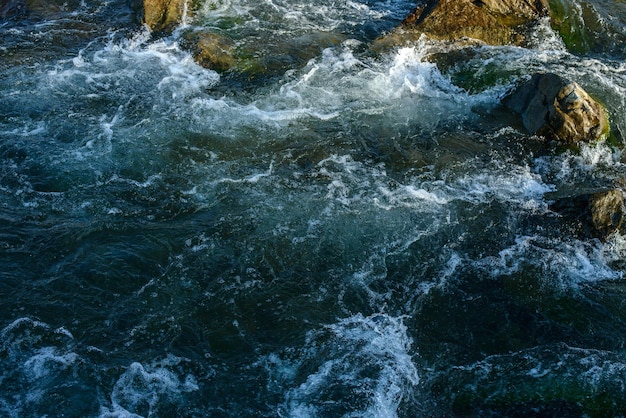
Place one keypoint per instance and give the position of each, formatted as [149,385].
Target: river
[344,233]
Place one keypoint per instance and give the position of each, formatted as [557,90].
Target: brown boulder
[162,15]
[558,109]
[494,22]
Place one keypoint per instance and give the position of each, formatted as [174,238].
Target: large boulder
[494,22]
[558,109]
[162,15]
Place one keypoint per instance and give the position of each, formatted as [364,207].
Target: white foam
[144,388]
[39,128]
[219,8]
[123,63]
[517,185]
[411,73]
[298,16]
[362,187]
[415,196]
[514,184]
[376,345]
[35,357]
[21,322]
[339,84]
[594,155]
[544,38]
[358,185]
[591,163]
[564,264]
[149,182]
[46,361]
[252,179]
[336,85]
[614,250]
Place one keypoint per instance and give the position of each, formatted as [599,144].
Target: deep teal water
[346,233]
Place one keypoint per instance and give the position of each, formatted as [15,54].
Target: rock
[558,109]
[598,213]
[607,211]
[212,51]
[162,15]
[494,22]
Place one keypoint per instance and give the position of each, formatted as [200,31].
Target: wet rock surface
[212,50]
[162,15]
[607,211]
[558,109]
[597,213]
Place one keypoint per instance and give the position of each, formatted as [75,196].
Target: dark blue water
[324,231]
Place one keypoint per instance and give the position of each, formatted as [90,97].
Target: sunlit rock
[494,22]
[161,15]
[599,213]
[558,109]
[607,211]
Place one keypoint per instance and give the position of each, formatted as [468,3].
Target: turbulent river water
[330,232]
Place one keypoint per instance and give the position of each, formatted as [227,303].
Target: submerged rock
[11,8]
[162,15]
[211,50]
[494,22]
[558,109]
[599,213]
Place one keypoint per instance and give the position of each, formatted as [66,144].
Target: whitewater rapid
[349,233]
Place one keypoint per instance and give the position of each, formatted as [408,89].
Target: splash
[367,357]
[149,390]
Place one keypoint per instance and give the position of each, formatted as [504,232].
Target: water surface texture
[327,232]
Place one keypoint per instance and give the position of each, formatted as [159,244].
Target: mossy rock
[212,50]
[579,26]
